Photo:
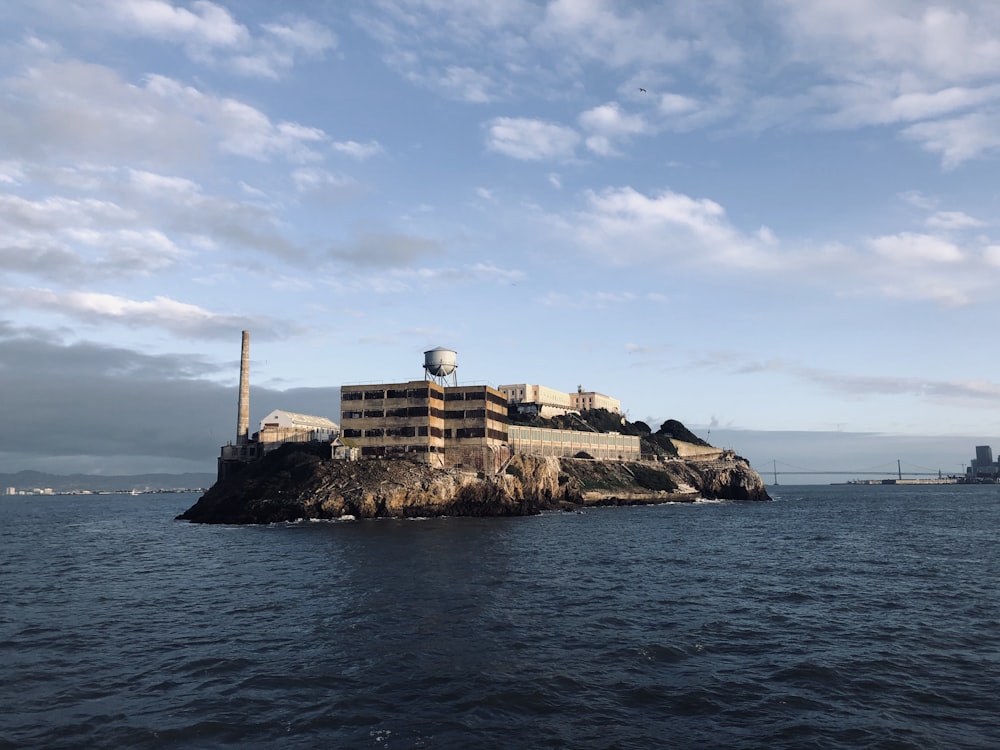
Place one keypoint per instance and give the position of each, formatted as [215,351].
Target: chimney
[243,412]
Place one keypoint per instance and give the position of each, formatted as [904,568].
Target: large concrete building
[585,400]
[529,398]
[426,421]
[475,427]
[389,420]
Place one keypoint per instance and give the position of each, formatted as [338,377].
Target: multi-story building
[475,427]
[585,400]
[395,420]
[548,402]
[537,399]
[425,421]
[983,468]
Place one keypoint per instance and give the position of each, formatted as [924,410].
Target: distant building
[983,467]
[548,402]
[539,400]
[586,400]
[281,427]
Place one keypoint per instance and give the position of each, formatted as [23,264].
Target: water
[834,617]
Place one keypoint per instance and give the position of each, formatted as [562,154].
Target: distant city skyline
[777,221]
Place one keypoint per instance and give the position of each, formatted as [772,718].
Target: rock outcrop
[297,481]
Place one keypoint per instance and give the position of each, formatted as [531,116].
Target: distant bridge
[897,471]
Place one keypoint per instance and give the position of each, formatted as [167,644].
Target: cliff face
[296,482]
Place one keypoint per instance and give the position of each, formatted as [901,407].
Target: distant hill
[26,481]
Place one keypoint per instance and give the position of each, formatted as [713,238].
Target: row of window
[388,450]
[403,412]
[396,393]
[408,431]
[392,393]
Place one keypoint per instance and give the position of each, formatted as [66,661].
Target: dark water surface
[834,617]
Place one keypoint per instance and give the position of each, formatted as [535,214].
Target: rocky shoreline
[299,481]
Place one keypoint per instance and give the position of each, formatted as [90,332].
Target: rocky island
[300,481]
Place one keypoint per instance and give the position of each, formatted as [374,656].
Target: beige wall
[583,400]
[545,442]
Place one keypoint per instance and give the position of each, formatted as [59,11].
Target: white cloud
[908,247]
[958,139]
[83,112]
[911,65]
[618,36]
[94,308]
[623,225]
[359,151]
[531,140]
[608,124]
[303,34]
[206,23]
[991,255]
[953,220]
[312,178]
[466,84]
[210,34]
[677,104]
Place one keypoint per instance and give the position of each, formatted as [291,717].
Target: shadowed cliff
[299,481]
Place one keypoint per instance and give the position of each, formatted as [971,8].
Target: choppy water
[834,617]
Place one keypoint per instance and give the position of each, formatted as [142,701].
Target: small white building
[586,400]
[548,402]
[538,399]
[281,426]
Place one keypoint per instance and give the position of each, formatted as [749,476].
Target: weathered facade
[395,420]
[541,441]
[281,426]
[475,428]
[425,421]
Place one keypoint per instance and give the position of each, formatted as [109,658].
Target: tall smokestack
[243,413]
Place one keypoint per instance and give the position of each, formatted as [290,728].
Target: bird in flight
[642,90]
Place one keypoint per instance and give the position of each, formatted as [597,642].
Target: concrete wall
[540,441]
[395,420]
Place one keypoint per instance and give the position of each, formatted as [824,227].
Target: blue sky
[776,221]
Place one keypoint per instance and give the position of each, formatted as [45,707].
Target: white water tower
[440,365]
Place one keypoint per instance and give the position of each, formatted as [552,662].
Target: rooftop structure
[549,402]
[281,427]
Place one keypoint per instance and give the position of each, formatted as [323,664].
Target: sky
[777,222]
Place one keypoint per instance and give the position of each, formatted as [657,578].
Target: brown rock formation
[297,481]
